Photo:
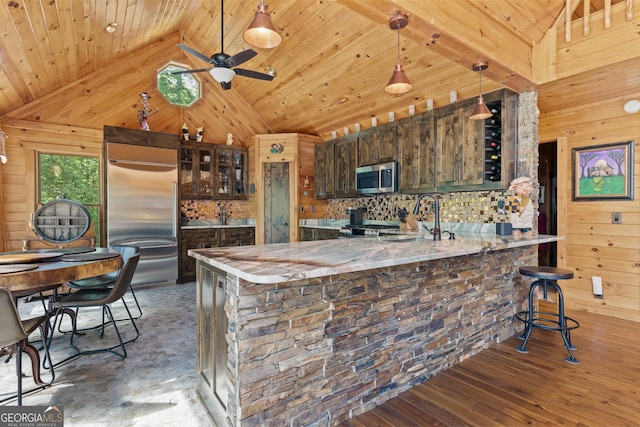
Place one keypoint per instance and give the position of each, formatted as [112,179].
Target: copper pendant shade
[261,33]
[481,111]
[399,83]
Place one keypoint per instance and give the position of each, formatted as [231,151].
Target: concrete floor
[154,385]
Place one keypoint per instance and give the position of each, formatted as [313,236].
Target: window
[72,177]
[179,89]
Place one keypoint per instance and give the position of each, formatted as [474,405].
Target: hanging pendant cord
[222,26]
[398,43]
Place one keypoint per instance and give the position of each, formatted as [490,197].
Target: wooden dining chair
[14,338]
[100,297]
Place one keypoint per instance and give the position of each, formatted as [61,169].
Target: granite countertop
[282,262]
[193,224]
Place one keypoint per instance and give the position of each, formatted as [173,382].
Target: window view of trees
[72,177]
[178,89]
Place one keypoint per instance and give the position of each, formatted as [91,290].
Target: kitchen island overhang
[325,330]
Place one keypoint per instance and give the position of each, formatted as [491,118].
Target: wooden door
[277,220]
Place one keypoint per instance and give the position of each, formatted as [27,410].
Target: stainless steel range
[368,230]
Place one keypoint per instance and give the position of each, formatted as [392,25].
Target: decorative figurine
[185,132]
[145,113]
[229,139]
[276,148]
[521,207]
[200,133]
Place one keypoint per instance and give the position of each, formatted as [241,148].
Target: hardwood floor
[500,386]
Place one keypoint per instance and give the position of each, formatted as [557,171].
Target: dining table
[32,272]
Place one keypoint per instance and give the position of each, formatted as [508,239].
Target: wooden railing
[572,5]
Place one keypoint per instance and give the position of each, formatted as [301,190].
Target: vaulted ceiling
[332,66]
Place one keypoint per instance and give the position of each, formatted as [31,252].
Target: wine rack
[493,143]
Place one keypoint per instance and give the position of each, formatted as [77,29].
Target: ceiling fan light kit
[481,111]
[399,83]
[261,32]
[222,63]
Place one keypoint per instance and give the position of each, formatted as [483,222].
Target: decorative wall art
[603,172]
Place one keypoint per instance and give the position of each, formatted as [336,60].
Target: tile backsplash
[475,207]
[208,209]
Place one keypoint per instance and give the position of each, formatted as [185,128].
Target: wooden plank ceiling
[332,66]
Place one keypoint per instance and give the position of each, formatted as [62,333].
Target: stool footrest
[538,322]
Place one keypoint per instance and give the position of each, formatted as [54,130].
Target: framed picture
[603,172]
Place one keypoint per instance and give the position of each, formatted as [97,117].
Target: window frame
[184,67]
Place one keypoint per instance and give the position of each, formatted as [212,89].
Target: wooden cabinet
[196,171]
[194,239]
[231,172]
[440,150]
[464,152]
[416,147]
[212,171]
[459,151]
[310,233]
[345,156]
[200,238]
[324,170]
[240,236]
[377,145]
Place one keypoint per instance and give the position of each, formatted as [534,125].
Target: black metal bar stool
[547,277]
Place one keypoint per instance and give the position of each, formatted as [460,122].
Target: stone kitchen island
[312,333]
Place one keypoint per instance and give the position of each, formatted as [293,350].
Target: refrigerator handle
[176,206]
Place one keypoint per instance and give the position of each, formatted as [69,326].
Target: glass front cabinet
[211,171]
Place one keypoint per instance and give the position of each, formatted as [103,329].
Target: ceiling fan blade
[191,71]
[195,52]
[253,74]
[240,57]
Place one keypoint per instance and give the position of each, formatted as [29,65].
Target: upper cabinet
[476,154]
[324,169]
[439,150]
[345,152]
[415,136]
[212,171]
[377,145]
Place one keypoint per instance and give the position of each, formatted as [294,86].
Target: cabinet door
[345,166]
[377,145]
[240,236]
[415,137]
[460,151]
[223,172]
[324,170]
[187,171]
[449,148]
[205,172]
[194,239]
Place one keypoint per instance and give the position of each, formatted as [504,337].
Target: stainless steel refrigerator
[142,207]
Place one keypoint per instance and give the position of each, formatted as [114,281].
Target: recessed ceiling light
[111,28]
[632,106]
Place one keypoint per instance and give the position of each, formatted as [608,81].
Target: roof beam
[444,27]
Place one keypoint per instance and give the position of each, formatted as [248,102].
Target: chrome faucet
[435,231]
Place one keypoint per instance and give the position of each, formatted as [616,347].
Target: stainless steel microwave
[377,179]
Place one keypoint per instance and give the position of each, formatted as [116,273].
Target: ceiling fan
[222,63]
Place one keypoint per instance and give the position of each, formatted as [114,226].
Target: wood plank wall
[24,140]
[594,246]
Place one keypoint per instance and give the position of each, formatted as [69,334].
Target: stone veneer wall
[318,351]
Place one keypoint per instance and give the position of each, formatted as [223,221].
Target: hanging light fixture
[399,83]
[481,111]
[261,33]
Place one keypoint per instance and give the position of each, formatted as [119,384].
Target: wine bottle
[495,157]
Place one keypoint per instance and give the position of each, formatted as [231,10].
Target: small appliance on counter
[356,215]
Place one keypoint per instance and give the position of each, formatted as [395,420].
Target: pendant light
[261,33]
[481,111]
[399,83]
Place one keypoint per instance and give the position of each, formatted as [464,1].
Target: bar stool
[547,277]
